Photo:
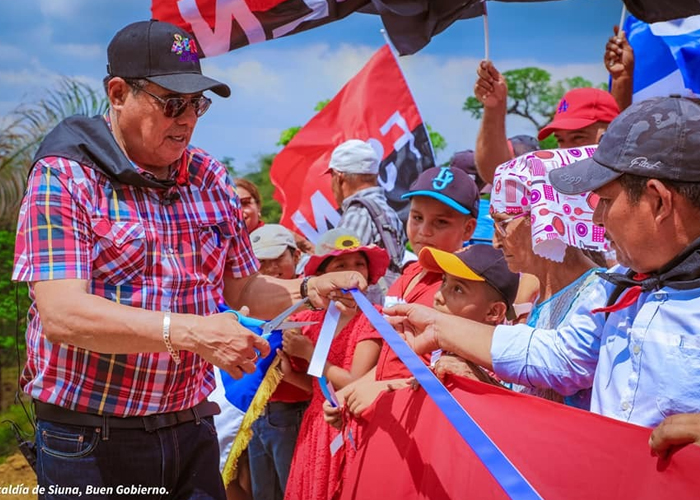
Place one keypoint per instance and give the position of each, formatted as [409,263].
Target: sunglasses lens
[174,107]
[201,105]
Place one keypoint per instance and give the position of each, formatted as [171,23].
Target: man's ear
[661,199]
[296,255]
[117,91]
[496,313]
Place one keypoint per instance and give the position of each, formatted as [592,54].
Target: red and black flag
[374,106]
[223,25]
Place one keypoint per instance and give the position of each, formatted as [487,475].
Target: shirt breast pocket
[215,240]
[680,385]
[119,251]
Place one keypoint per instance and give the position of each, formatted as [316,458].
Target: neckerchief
[681,273]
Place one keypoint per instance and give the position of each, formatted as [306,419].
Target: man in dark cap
[128,238]
[635,337]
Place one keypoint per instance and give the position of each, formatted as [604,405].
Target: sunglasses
[175,106]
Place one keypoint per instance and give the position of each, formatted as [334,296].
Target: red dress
[314,474]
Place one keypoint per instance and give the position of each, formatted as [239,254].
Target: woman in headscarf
[548,235]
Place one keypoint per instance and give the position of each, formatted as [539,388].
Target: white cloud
[275,89]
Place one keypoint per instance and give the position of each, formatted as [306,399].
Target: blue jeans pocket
[63,441]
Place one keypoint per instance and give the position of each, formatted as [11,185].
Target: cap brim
[269,253]
[190,83]
[564,124]
[377,258]
[581,176]
[438,261]
[440,197]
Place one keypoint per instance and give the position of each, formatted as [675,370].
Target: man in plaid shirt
[129,238]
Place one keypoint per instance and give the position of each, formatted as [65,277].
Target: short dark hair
[136,84]
[634,186]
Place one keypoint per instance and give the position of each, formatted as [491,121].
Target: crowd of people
[131,239]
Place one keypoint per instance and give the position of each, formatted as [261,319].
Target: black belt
[150,423]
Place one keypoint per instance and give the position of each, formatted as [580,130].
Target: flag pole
[622,19]
[486,33]
[395,53]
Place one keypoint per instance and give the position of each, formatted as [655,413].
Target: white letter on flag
[323,211]
[218,41]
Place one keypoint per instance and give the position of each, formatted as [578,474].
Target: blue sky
[277,83]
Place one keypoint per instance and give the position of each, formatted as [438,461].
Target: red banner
[409,450]
[375,106]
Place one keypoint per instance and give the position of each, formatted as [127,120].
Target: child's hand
[296,344]
[453,364]
[285,365]
[363,395]
[333,416]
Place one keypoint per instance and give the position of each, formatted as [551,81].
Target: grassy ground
[12,413]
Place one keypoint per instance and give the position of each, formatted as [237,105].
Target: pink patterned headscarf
[558,220]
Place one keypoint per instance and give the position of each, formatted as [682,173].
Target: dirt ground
[14,472]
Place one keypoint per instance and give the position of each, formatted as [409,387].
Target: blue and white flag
[666,57]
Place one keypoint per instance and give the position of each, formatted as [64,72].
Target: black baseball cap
[465,160]
[658,138]
[475,263]
[161,53]
[451,186]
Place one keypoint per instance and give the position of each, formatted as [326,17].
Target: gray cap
[354,157]
[658,138]
[271,240]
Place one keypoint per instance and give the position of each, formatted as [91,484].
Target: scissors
[265,328]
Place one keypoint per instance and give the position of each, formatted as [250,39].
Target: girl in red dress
[315,473]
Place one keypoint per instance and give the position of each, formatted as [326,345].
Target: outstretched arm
[491,143]
[619,61]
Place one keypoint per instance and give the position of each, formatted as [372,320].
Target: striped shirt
[138,248]
[357,218]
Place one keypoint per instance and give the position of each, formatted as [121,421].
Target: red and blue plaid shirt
[138,248]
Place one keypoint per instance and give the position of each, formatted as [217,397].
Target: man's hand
[490,88]
[619,56]
[297,345]
[417,324]
[674,432]
[330,286]
[224,342]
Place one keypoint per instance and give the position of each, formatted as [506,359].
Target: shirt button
[636,349]
[625,406]
[171,250]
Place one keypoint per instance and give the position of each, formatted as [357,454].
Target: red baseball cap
[580,108]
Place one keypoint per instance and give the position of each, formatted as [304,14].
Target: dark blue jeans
[176,462]
[271,449]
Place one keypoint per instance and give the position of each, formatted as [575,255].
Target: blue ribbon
[504,472]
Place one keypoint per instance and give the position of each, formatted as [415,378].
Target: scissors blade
[275,322]
[295,324]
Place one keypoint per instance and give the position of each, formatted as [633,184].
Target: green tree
[26,127]
[531,95]
[271,210]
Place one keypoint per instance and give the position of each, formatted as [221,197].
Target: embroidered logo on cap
[443,179]
[185,47]
[563,106]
